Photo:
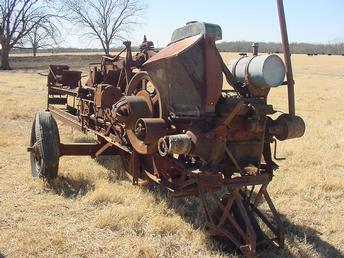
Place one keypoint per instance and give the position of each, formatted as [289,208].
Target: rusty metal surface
[188,75]
[288,127]
[287,57]
[174,49]
[149,130]
[87,149]
[168,117]
[213,75]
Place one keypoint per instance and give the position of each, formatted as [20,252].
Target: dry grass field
[92,211]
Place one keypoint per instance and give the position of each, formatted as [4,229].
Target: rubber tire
[45,132]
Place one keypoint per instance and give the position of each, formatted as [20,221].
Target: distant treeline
[296,48]
[70,50]
[235,46]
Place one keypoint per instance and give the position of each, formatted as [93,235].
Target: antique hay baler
[173,123]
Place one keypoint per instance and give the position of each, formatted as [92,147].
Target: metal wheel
[44,146]
[232,222]
[141,85]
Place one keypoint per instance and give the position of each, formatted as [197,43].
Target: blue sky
[315,21]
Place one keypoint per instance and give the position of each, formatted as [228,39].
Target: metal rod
[287,59]
[255,47]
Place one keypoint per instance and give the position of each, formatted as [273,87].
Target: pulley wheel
[141,85]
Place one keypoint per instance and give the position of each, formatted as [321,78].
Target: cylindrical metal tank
[263,71]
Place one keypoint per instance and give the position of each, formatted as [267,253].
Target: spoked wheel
[144,125]
[144,136]
[44,146]
[142,85]
[232,222]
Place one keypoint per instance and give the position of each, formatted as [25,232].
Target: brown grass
[90,210]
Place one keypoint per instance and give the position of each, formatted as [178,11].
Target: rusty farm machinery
[169,118]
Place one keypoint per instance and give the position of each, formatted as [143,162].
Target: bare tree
[17,20]
[43,35]
[106,20]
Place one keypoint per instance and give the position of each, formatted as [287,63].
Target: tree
[44,34]
[105,20]
[17,19]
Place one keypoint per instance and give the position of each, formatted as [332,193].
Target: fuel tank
[262,71]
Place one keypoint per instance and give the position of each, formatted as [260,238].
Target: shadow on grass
[301,239]
[69,187]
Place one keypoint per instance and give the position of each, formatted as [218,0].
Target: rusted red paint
[133,103]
